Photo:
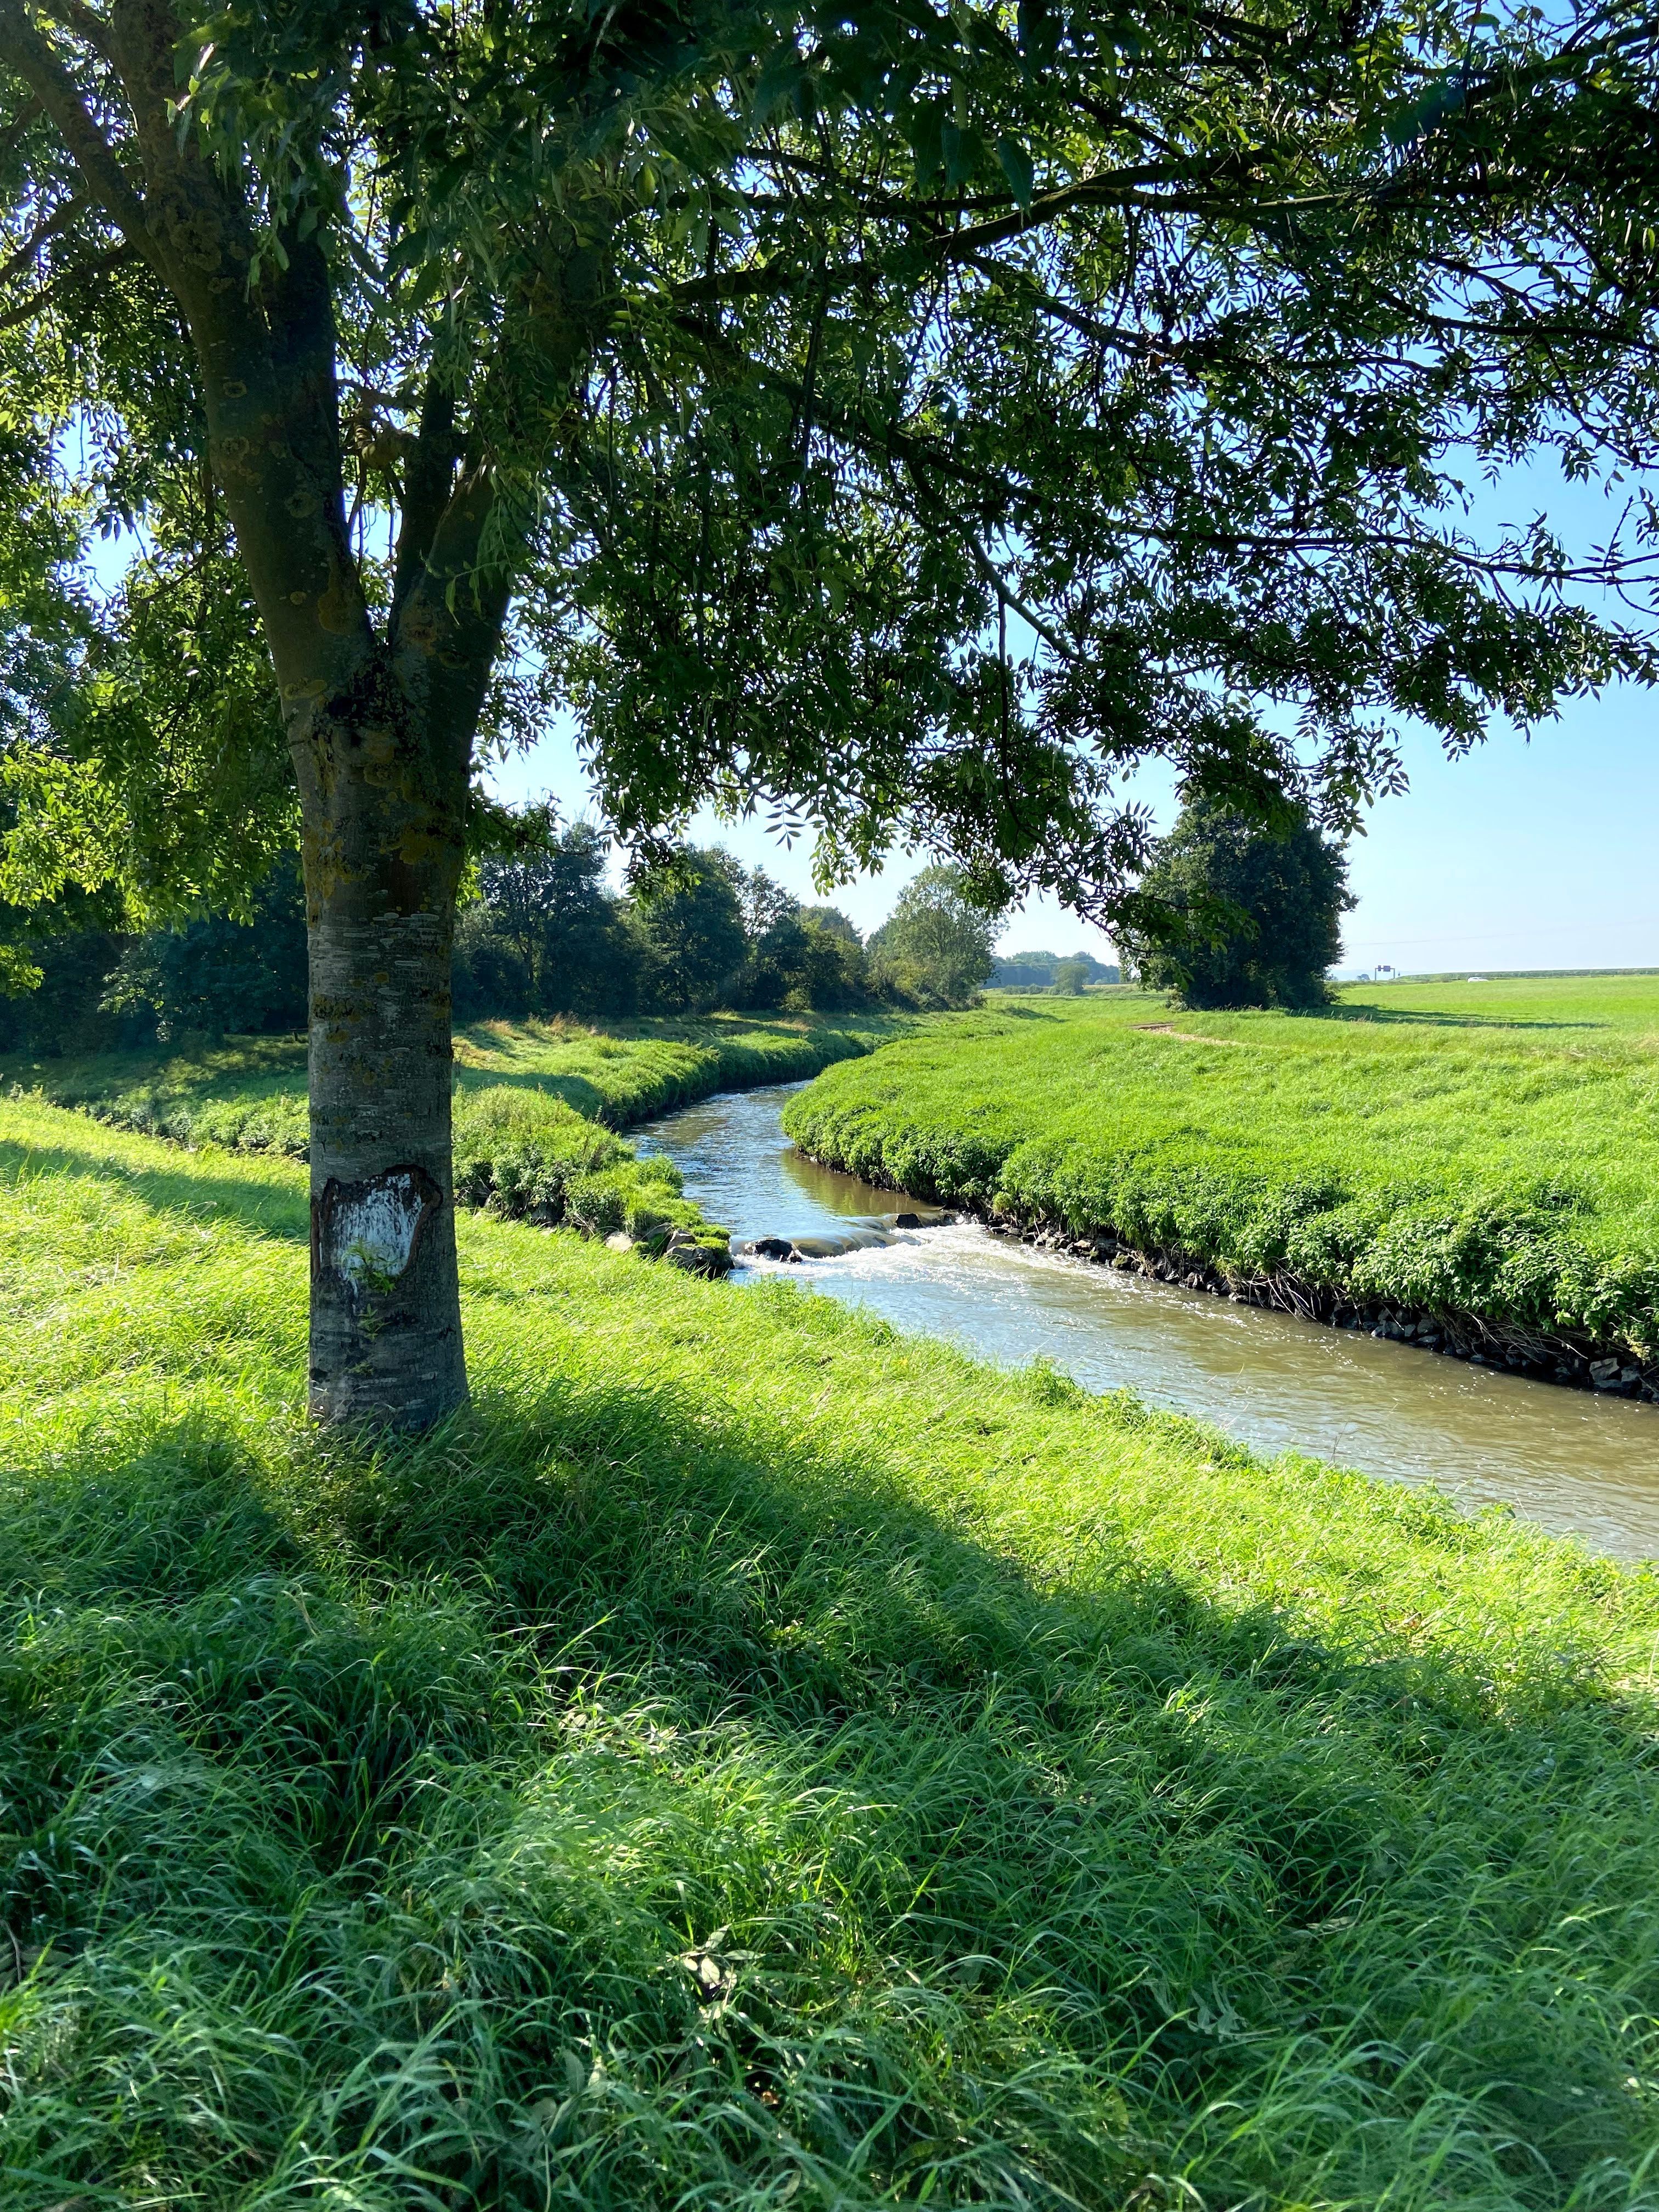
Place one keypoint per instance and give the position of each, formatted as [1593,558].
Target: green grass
[1487,1149]
[250,1092]
[535,1104]
[751,1758]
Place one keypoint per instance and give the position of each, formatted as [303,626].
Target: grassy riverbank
[537,1104]
[1477,1150]
[752,1756]
[250,1092]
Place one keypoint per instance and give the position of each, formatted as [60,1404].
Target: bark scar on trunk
[367,1233]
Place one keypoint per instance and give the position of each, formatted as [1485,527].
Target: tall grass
[250,1092]
[752,1757]
[1502,1163]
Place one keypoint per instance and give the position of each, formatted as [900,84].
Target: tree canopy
[935,949]
[778,365]
[1252,911]
[896,418]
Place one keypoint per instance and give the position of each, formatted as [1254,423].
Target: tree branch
[27,310]
[47,229]
[27,54]
[429,481]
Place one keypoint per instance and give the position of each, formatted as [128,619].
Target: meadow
[1485,1151]
[250,1092]
[751,1757]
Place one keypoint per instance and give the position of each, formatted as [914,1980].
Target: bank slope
[1490,1182]
[752,1756]
[250,1092]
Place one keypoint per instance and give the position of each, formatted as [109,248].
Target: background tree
[1251,912]
[1070,977]
[691,924]
[935,947]
[215,973]
[777,368]
[549,901]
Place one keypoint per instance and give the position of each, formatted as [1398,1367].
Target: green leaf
[1016,168]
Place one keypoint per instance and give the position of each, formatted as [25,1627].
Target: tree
[1070,976]
[935,946]
[768,365]
[215,973]
[1252,912]
[547,898]
[691,920]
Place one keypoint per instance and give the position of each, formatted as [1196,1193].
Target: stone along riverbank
[1573,1461]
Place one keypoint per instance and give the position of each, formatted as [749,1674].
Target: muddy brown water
[1567,1460]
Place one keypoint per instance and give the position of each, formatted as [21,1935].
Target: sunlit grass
[752,1756]
[250,1092]
[1492,1150]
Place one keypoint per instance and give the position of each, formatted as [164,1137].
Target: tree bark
[385,1318]
[380,718]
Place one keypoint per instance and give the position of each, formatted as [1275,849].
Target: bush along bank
[1495,1278]
[525,1156]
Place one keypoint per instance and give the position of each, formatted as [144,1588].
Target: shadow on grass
[1407,1016]
[970,1829]
[192,1191]
[1183,1848]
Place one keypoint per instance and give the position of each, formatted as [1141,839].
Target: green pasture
[1482,1148]
[753,1758]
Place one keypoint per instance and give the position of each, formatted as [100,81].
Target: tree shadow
[576,1091]
[1152,1841]
[267,1207]
[1162,1826]
[1410,1018]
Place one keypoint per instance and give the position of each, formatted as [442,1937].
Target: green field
[754,1759]
[1473,1149]
[536,1105]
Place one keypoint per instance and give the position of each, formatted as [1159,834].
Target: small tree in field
[935,947]
[746,375]
[1253,911]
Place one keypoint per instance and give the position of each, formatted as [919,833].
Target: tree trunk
[381,717]
[381,881]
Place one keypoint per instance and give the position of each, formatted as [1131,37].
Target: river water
[1564,1458]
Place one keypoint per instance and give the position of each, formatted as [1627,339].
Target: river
[1565,1459]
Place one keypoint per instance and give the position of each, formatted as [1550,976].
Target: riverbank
[249,1093]
[1472,1170]
[754,1753]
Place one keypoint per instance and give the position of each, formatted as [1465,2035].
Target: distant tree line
[1067,974]
[545,935]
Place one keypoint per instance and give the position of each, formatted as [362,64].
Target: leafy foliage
[217,975]
[1249,913]
[935,947]
[781,366]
